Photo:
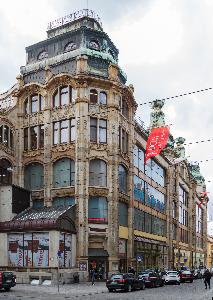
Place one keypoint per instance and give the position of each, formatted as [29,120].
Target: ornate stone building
[68,135]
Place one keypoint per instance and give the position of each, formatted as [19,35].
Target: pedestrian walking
[207,277]
[93,276]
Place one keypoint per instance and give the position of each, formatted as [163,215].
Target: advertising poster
[15,249]
[65,249]
[41,249]
[28,249]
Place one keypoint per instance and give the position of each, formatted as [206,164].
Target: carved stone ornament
[195,172]
[157,116]
[101,192]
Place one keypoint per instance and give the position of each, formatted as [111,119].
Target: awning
[45,218]
[97,252]
[145,240]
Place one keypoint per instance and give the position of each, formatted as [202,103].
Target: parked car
[186,276]
[171,277]
[152,279]
[125,281]
[7,280]
[197,274]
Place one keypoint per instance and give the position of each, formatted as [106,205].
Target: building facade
[68,134]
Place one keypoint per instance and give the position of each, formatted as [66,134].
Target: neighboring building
[209,263]
[68,135]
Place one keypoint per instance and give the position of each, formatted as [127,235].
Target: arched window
[34,103]
[93,96]
[34,176]
[122,178]
[125,108]
[97,173]
[70,47]
[64,172]
[103,98]
[62,96]
[98,209]
[5,172]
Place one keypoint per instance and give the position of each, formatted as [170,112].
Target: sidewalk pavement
[74,289]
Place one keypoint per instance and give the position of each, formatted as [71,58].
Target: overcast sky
[166,48]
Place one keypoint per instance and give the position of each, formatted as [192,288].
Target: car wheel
[178,282]
[191,281]
[7,289]
[110,290]
[162,283]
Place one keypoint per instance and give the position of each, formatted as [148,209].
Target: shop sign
[139,258]
[83,266]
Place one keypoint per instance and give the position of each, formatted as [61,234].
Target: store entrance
[100,265]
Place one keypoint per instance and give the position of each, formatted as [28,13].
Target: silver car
[171,277]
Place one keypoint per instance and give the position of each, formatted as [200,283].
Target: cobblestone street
[187,291]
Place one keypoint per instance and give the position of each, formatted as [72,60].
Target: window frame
[59,93]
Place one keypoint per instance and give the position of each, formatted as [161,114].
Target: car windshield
[187,272]
[117,276]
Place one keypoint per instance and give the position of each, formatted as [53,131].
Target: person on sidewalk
[207,277]
[93,276]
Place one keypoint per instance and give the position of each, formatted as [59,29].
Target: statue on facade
[157,116]
[179,149]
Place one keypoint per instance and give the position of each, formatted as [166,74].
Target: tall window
[62,96]
[199,219]
[183,206]
[123,140]
[97,173]
[64,173]
[98,130]
[98,97]
[34,176]
[124,107]
[34,103]
[93,96]
[122,178]
[64,131]
[97,209]
[6,136]
[34,137]
[5,171]
[123,214]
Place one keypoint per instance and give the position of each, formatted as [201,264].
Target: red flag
[157,140]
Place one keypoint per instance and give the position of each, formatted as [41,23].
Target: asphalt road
[186,291]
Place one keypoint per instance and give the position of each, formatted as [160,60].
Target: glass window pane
[25,139]
[97,173]
[11,139]
[64,173]
[93,129]
[34,103]
[72,130]
[6,135]
[123,214]
[33,137]
[102,131]
[63,201]
[103,98]
[64,131]
[34,176]
[93,97]
[56,99]
[122,177]
[41,136]
[26,106]
[41,102]
[98,209]
[55,133]
[64,93]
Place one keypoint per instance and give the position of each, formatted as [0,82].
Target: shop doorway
[100,265]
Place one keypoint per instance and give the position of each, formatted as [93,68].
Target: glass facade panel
[122,178]
[64,173]
[139,189]
[123,214]
[34,177]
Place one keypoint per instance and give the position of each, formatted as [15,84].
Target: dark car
[186,276]
[7,280]
[152,279]
[125,281]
